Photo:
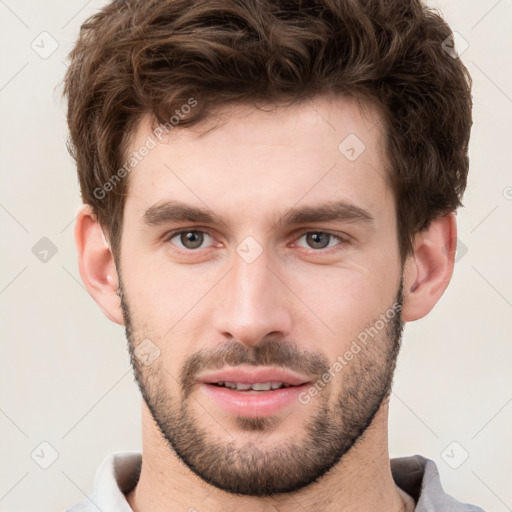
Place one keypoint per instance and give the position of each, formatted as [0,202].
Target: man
[270,191]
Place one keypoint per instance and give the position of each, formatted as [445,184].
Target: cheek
[162,294]
[342,303]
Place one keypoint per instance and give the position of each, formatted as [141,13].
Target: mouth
[257,386]
[253,391]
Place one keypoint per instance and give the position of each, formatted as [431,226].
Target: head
[267,187]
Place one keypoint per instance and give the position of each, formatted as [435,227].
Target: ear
[429,269]
[96,265]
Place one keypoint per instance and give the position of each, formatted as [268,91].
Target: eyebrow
[339,211]
[176,211]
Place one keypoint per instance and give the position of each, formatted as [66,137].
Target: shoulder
[117,475]
[419,477]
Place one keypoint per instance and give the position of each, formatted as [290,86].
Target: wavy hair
[139,57]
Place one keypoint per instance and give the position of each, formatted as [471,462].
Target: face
[261,288]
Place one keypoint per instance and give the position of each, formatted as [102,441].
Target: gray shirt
[417,476]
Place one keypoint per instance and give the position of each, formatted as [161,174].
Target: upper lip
[253,375]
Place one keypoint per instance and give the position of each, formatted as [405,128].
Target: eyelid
[336,234]
[171,234]
[343,239]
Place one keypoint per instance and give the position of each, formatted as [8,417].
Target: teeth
[262,387]
[237,386]
[257,386]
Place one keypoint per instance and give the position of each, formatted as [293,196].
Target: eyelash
[343,240]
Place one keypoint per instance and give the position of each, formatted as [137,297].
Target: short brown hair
[151,57]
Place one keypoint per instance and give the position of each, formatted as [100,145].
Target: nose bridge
[251,301]
[252,282]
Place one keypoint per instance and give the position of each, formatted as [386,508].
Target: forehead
[250,160]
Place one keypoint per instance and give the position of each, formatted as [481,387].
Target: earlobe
[429,269]
[96,264]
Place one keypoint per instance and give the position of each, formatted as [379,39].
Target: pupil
[318,240]
[192,239]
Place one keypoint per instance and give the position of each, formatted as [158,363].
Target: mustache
[283,354]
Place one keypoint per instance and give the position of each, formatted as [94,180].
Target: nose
[253,303]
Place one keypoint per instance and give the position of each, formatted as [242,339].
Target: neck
[361,481]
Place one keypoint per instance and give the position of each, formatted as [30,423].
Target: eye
[189,239]
[320,240]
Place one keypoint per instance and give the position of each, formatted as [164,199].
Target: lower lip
[253,404]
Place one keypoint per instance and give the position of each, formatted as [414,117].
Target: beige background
[65,377]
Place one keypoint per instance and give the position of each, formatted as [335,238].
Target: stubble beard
[332,428]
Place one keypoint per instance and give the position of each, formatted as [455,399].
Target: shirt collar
[417,476]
